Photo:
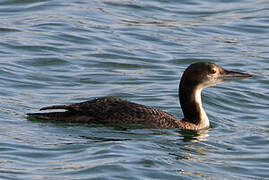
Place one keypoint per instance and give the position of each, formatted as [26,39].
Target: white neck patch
[205,121]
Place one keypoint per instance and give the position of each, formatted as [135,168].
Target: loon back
[109,110]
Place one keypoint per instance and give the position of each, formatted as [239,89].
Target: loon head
[194,79]
[205,74]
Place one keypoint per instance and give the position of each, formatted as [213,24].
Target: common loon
[111,110]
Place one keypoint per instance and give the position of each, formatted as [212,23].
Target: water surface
[55,52]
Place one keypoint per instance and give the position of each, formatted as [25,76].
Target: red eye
[213,71]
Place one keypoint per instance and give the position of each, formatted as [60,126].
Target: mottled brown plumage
[110,110]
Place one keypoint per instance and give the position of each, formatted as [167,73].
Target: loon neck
[191,104]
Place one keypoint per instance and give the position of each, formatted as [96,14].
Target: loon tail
[56,107]
[57,116]
[67,117]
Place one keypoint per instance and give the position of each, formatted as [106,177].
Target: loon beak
[232,75]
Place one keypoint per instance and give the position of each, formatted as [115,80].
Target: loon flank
[111,110]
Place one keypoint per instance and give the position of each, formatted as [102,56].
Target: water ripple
[63,52]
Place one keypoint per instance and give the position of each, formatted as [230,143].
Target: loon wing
[108,110]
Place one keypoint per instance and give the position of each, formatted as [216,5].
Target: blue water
[56,52]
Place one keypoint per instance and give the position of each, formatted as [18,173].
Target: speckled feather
[110,110]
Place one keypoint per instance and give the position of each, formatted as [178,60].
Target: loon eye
[213,71]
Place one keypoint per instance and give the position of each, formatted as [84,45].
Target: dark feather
[109,110]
